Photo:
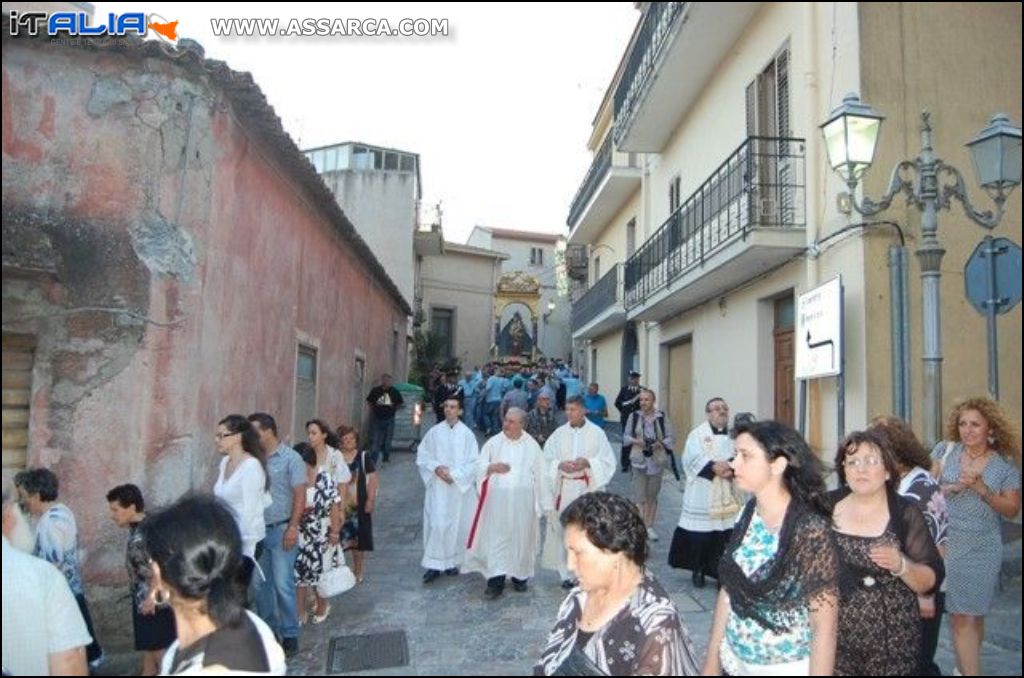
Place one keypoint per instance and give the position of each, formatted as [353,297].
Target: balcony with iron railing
[746,218]
[598,169]
[612,178]
[600,308]
[677,49]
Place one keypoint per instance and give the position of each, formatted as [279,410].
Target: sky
[499,110]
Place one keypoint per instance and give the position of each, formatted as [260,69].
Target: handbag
[337,579]
[578,664]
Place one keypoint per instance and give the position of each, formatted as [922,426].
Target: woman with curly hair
[917,485]
[618,621]
[778,609]
[977,468]
[887,558]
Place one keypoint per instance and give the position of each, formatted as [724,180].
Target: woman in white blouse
[242,484]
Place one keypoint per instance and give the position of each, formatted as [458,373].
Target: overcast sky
[499,111]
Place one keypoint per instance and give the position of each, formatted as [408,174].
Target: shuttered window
[18,356]
[305,391]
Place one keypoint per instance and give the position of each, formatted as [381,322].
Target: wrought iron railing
[598,169]
[658,24]
[761,185]
[601,296]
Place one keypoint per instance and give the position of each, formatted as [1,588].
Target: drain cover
[371,651]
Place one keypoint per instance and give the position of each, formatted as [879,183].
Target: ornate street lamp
[851,135]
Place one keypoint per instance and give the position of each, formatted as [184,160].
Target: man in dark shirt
[384,399]
[541,421]
[448,388]
[628,402]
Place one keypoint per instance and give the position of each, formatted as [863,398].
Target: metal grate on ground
[367,652]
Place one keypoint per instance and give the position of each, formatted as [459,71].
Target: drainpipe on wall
[808,404]
[899,318]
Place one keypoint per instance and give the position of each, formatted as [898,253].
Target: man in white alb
[710,504]
[503,538]
[447,462]
[579,459]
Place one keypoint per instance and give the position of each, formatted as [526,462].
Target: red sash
[558,502]
[479,509]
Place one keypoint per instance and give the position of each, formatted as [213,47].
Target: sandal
[321,618]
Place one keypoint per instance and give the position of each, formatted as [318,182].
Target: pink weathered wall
[135,177]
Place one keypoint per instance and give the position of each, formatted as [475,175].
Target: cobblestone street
[452,630]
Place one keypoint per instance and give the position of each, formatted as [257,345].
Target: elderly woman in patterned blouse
[619,620]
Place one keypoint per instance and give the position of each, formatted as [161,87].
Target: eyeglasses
[220,435]
[867,462]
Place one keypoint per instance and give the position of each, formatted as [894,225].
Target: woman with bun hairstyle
[194,551]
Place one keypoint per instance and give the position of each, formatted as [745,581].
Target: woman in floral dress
[319,533]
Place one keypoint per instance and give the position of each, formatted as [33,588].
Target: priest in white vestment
[578,459]
[710,501]
[504,537]
[446,459]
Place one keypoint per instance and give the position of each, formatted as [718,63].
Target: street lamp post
[851,134]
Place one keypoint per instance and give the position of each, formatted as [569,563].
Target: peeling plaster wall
[129,183]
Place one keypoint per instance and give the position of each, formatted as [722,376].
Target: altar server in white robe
[447,462]
[578,459]
[504,536]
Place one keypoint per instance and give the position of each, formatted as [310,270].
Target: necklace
[594,614]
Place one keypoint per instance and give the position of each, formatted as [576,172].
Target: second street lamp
[851,135]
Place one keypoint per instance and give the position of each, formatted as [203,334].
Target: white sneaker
[651,534]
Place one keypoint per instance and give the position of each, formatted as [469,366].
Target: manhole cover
[371,651]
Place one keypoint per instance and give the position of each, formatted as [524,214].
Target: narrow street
[452,630]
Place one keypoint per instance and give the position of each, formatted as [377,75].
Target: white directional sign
[819,334]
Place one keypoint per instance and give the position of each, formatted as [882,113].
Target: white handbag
[337,579]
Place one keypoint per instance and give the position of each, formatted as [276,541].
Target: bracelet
[903,567]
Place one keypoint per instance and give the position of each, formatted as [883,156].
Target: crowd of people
[810,581]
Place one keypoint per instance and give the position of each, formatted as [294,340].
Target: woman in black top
[194,551]
[359,501]
[153,626]
[886,558]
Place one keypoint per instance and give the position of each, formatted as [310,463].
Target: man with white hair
[505,532]
[43,631]
[579,459]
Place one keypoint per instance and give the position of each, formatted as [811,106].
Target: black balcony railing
[761,185]
[656,29]
[602,295]
[598,169]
